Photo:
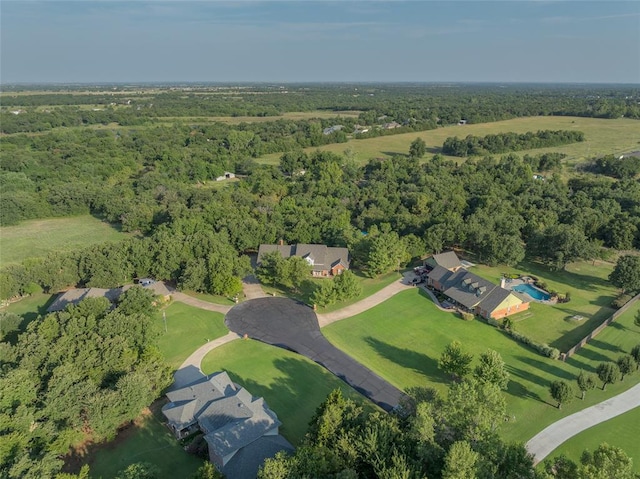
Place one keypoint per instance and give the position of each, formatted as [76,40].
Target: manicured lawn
[149,441]
[36,238]
[403,338]
[621,431]
[591,297]
[292,385]
[601,137]
[188,328]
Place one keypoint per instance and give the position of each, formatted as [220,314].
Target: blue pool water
[535,293]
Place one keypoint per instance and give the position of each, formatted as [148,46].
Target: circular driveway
[294,326]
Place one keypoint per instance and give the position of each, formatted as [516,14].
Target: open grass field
[403,338]
[601,137]
[147,441]
[591,296]
[621,431]
[292,385]
[188,328]
[36,238]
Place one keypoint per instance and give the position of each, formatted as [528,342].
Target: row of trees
[506,142]
[607,372]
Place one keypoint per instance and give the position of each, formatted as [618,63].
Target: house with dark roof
[325,261]
[469,291]
[240,430]
[74,296]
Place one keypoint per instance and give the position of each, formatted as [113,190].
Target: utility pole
[164,318]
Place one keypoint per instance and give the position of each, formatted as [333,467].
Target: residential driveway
[252,288]
[368,302]
[292,325]
[198,303]
[542,444]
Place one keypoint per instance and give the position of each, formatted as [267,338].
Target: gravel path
[543,443]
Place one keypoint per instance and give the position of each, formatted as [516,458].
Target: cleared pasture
[601,137]
[36,238]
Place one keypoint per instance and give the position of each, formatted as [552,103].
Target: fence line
[598,330]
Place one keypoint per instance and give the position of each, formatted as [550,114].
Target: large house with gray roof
[469,291]
[240,430]
[325,261]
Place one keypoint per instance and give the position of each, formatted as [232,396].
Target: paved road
[367,303]
[543,443]
[252,288]
[292,325]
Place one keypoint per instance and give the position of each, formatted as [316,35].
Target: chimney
[502,282]
[281,242]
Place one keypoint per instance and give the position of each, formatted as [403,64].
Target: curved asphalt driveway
[543,443]
[292,325]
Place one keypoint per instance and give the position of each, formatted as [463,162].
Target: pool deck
[509,284]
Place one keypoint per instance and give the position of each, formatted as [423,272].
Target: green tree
[296,271]
[561,467]
[606,462]
[324,294]
[208,471]
[346,286]
[492,369]
[271,268]
[626,274]
[608,373]
[455,361]
[418,148]
[635,354]
[460,462]
[386,253]
[561,391]
[626,364]
[586,382]
[139,470]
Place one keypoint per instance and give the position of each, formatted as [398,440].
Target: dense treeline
[506,142]
[624,167]
[431,436]
[73,376]
[415,106]
[386,212]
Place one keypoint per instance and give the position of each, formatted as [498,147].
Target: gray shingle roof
[247,461]
[448,260]
[468,289]
[439,274]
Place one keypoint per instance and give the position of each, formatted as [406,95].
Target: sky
[135,41]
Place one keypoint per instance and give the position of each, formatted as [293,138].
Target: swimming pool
[535,293]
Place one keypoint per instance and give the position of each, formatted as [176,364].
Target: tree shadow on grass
[518,389]
[588,368]
[589,354]
[418,362]
[548,367]
[605,346]
[294,395]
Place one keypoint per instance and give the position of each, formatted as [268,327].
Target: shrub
[543,349]
[467,316]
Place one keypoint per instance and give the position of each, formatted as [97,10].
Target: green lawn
[36,238]
[30,308]
[188,328]
[149,442]
[601,137]
[402,339]
[621,431]
[591,297]
[292,385]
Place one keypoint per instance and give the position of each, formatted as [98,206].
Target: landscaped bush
[543,349]
[467,316]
